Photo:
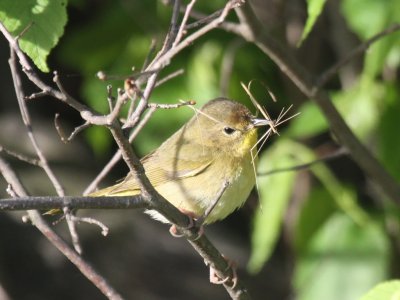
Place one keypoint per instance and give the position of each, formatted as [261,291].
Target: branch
[27,122]
[340,152]
[328,74]
[21,157]
[84,267]
[72,202]
[251,30]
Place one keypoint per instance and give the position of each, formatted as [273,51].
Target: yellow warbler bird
[208,155]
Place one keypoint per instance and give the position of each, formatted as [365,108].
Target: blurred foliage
[314,9]
[339,239]
[342,260]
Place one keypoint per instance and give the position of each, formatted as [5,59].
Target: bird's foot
[174,231]
[215,279]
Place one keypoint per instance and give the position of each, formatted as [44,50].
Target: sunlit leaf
[342,261]
[389,290]
[46,19]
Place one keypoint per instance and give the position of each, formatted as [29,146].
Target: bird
[206,169]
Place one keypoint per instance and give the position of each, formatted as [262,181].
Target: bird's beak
[260,122]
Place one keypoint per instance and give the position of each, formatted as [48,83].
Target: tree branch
[72,202]
[84,267]
[328,74]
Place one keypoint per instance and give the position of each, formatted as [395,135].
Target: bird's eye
[229,130]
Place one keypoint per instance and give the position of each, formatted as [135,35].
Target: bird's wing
[160,172]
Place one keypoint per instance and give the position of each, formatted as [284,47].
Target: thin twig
[169,77]
[77,130]
[37,95]
[134,118]
[166,57]
[227,65]
[210,208]
[43,160]
[61,133]
[361,48]
[149,54]
[172,31]
[338,153]
[183,23]
[72,230]
[21,157]
[110,97]
[27,122]
[172,106]
[104,228]
[46,203]
[14,44]
[25,30]
[201,18]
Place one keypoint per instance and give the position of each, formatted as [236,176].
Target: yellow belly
[197,193]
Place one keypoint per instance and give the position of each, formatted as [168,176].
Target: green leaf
[317,208]
[275,192]
[389,142]
[46,19]
[314,9]
[389,290]
[309,123]
[342,261]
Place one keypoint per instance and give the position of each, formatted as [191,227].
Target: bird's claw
[174,231]
[215,279]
